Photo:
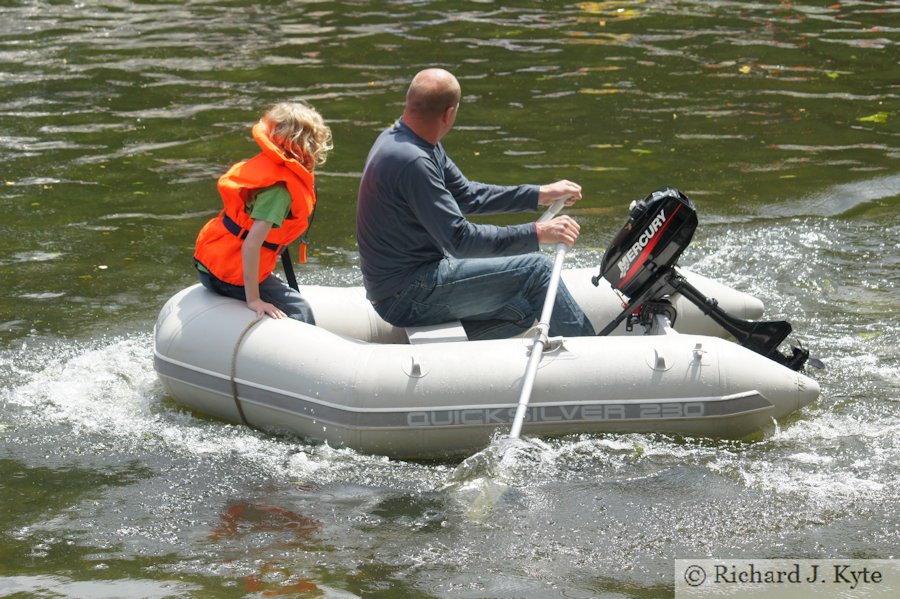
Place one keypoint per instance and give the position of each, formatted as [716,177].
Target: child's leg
[277,292]
[221,287]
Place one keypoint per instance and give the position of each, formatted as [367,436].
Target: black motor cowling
[640,264]
[658,230]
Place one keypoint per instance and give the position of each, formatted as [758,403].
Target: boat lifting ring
[413,368]
[660,359]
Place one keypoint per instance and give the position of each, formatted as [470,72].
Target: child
[269,202]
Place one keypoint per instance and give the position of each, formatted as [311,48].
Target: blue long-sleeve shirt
[411,213]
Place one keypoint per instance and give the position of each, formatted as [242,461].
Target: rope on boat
[234,355]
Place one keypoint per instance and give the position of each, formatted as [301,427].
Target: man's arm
[482,198]
[438,211]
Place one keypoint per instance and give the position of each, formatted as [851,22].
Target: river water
[780,119]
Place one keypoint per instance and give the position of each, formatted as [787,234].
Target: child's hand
[261,307]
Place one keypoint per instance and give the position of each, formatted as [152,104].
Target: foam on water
[112,589]
[109,388]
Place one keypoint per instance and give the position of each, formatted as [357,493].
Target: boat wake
[840,200]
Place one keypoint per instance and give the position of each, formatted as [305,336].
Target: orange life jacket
[220,239]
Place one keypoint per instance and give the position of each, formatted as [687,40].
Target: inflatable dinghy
[660,365]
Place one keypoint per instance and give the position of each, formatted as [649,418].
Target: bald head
[431,93]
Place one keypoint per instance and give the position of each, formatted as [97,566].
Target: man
[423,263]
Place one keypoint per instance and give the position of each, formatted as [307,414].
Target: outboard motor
[640,264]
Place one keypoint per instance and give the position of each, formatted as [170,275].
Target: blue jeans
[272,290]
[494,298]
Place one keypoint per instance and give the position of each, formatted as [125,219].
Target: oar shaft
[553,210]
[530,374]
[537,349]
[553,286]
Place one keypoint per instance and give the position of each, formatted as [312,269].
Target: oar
[480,467]
[543,327]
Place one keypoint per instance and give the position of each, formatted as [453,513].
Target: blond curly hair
[298,129]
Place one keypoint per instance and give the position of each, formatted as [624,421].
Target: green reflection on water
[42,555]
[37,556]
[29,494]
[118,117]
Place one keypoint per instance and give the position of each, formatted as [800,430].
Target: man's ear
[448,115]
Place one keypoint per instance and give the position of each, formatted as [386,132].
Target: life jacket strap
[236,230]
[289,269]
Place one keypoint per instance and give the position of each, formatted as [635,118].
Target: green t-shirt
[271,204]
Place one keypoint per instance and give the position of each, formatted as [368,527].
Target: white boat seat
[437,333]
